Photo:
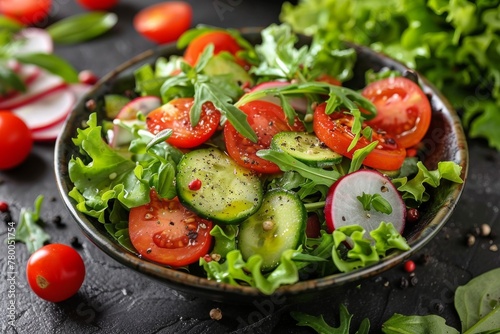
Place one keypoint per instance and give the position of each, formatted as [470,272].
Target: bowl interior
[445,140]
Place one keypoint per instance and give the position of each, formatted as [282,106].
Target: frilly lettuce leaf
[102,173]
[235,270]
[224,239]
[414,189]
[386,238]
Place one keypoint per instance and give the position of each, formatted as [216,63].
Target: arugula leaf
[29,230]
[288,163]
[82,27]
[320,326]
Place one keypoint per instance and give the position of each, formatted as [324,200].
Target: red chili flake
[195,184]
[4,207]
[409,266]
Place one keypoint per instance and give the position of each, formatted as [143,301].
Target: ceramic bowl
[445,140]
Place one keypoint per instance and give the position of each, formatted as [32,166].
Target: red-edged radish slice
[343,208]
[35,40]
[298,104]
[48,134]
[44,84]
[51,133]
[144,104]
[48,110]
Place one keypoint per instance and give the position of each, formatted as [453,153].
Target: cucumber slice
[228,193]
[306,148]
[279,225]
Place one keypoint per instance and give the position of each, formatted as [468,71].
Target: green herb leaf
[51,63]
[9,24]
[399,324]
[359,156]
[376,201]
[10,81]
[82,27]
[29,230]
[320,326]
[478,303]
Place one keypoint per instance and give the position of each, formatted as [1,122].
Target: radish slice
[44,84]
[144,104]
[48,134]
[343,208]
[47,110]
[298,104]
[27,73]
[35,40]
[51,133]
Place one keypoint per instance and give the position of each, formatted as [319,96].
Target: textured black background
[115,299]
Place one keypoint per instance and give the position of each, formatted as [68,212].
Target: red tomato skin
[160,230]
[266,119]
[175,115]
[26,11]
[55,272]
[164,22]
[15,140]
[221,40]
[403,109]
[331,130]
[97,4]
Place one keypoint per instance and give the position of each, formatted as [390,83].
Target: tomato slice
[222,41]
[403,109]
[175,115]
[164,22]
[166,232]
[335,131]
[266,119]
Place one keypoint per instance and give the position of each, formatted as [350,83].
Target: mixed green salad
[255,163]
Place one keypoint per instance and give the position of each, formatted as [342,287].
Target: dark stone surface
[115,299]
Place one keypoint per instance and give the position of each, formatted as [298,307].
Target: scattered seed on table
[485,230]
[75,243]
[470,240]
[494,248]
[216,314]
[403,283]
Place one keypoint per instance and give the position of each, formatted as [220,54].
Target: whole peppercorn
[409,266]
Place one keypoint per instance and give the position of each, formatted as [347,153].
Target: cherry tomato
[15,140]
[97,4]
[164,22]
[175,115]
[166,232]
[403,109]
[55,272]
[335,131]
[26,11]
[266,119]
[222,41]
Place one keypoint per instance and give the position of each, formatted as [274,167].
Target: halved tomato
[166,232]
[403,110]
[335,131]
[175,115]
[266,119]
[222,41]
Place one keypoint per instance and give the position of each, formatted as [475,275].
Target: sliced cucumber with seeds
[279,225]
[211,184]
[306,148]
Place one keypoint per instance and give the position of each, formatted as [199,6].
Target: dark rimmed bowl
[445,140]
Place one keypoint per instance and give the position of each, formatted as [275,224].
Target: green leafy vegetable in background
[320,326]
[477,304]
[455,44]
[82,27]
[29,230]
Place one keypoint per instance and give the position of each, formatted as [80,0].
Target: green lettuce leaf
[399,324]
[29,230]
[235,271]
[415,189]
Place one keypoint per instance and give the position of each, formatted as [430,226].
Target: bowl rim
[187,282]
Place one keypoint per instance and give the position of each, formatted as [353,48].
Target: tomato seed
[409,266]
[4,207]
